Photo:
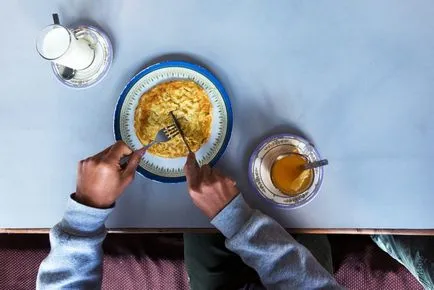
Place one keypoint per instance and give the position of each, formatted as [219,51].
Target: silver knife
[178,126]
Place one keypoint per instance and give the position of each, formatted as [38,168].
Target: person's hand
[101,179]
[210,190]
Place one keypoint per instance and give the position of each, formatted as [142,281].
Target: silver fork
[163,135]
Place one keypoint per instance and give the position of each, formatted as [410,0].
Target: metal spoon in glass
[315,164]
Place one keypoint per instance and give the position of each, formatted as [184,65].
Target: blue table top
[356,78]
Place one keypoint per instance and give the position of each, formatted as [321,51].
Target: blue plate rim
[252,182]
[183,64]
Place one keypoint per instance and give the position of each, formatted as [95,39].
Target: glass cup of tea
[286,170]
[59,44]
[288,173]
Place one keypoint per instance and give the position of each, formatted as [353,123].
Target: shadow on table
[214,68]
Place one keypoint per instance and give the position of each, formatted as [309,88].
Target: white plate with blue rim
[170,170]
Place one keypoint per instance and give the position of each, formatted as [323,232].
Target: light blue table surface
[356,77]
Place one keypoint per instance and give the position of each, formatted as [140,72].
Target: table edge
[350,231]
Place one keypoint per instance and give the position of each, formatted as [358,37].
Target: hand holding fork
[163,135]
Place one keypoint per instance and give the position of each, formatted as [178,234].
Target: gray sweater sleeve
[280,261]
[75,259]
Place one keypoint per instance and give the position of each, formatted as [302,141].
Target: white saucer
[262,160]
[100,66]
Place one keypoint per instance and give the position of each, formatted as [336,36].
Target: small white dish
[262,160]
[100,66]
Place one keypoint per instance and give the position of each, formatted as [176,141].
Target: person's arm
[261,242]
[75,259]
[280,261]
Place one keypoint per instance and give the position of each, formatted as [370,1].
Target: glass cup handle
[93,43]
